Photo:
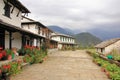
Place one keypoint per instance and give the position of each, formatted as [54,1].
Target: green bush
[34,56]
[113,69]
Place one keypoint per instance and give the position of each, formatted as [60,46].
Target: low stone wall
[105,58]
[52,50]
[110,60]
[7,61]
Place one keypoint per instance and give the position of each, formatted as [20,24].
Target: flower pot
[108,74]
[4,58]
[1,56]
[5,76]
[98,64]
[45,58]
[0,76]
[41,61]
[103,69]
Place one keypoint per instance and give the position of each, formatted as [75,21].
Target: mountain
[61,30]
[104,32]
[86,39]
[105,35]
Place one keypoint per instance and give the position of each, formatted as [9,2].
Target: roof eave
[19,5]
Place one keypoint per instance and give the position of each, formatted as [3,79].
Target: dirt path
[63,65]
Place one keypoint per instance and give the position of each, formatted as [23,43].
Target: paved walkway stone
[63,65]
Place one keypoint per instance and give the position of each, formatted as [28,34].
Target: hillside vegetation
[86,39]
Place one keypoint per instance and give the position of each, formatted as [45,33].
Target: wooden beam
[12,9]
[18,14]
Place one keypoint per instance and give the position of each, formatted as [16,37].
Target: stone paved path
[63,65]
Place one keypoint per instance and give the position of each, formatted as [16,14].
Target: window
[101,50]
[7,10]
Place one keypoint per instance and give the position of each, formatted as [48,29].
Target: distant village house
[64,41]
[109,45]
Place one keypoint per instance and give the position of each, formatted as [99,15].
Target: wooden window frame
[7,9]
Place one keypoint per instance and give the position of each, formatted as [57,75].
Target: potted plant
[15,67]
[10,54]
[107,73]
[22,52]
[4,55]
[5,72]
[26,59]
[1,55]
[0,74]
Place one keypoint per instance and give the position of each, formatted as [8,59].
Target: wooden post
[2,38]
[23,40]
[31,41]
[10,40]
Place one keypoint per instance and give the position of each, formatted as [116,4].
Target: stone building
[38,28]
[109,45]
[64,41]
[11,34]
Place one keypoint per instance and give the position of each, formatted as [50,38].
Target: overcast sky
[77,15]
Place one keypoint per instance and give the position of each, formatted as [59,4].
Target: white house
[64,41]
[10,23]
[38,28]
[109,45]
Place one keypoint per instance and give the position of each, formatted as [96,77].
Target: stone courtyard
[63,65]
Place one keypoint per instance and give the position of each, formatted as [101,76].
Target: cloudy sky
[78,15]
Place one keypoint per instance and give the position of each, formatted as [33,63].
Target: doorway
[2,38]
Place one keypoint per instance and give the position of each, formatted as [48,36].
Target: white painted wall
[6,39]
[115,46]
[64,39]
[13,20]
[25,20]
[99,50]
[59,46]
[17,40]
[38,44]
[31,28]
[35,42]
[56,38]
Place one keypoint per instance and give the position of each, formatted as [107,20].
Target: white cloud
[75,14]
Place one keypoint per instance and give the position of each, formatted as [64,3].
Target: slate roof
[107,43]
